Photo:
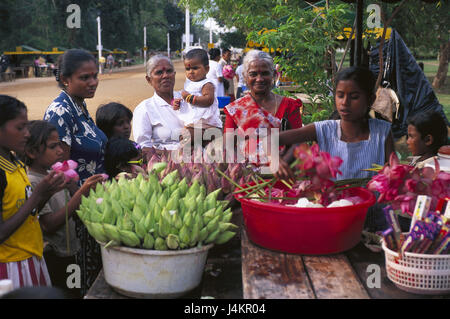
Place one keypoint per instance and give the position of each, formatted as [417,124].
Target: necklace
[276,104]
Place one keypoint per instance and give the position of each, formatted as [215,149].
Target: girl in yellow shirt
[21,243]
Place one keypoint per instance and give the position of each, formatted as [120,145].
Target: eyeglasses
[139,162]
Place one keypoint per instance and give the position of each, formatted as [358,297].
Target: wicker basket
[418,273]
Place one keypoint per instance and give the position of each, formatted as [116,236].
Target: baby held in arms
[199,108]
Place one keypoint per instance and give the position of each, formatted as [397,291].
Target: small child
[114,119]
[122,155]
[42,150]
[202,108]
[427,132]
[21,242]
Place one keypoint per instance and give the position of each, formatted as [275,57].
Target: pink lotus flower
[228,71]
[68,168]
[401,184]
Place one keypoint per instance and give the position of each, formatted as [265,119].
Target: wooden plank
[101,290]
[271,275]
[333,277]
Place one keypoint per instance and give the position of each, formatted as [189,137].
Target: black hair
[118,152]
[225,50]
[108,114]
[69,62]
[40,131]
[198,54]
[10,108]
[214,53]
[432,123]
[364,78]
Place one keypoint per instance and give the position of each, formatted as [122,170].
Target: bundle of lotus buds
[153,213]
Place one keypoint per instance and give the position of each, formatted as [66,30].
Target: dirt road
[126,85]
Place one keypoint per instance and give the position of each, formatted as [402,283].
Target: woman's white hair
[153,62]
[254,55]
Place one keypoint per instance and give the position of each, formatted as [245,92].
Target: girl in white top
[201,109]
[155,123]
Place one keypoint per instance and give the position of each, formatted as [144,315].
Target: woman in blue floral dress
[82,140]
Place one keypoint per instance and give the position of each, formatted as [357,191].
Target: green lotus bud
[213,224]
[99,190]
[195,233]
[224,237]
[223,203]
[149,241]
[169,179]
[95,216]
[112,232]
[98,233]
[208,216]
[127,223]
[226,218]
[202,191]
[172,241]
[226,226]
[212,237]
[129,238]
[160,244]
[218,211]
[80,212]
[173,187]
[183,187]
[214,194]
[149,221]
[151,203]
[108,215]
[141,202]
[158,167]
[162,200]
[203,234]
[184,235]
[188,220]
[190,203]
[194,189]
[118,210]
[140,228]
[137,214]
[164,227]
[198,220]
[176,220]
[157,210]
[172,204]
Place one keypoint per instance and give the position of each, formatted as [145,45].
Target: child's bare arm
[204,100]
[51,222]
[51,184]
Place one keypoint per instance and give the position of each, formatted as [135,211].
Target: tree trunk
[441,75]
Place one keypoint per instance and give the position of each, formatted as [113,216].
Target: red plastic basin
[306,231]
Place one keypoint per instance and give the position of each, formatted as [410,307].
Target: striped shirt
[356,156]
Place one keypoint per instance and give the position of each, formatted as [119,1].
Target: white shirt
[215,72]
[192,115]
[156,124]
[240,76]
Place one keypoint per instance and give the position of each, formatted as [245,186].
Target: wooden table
[268,274]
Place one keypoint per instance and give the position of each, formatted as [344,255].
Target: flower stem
[66,193]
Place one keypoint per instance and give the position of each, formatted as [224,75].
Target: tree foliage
[42,24]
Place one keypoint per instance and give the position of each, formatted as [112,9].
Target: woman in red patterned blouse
[261,108]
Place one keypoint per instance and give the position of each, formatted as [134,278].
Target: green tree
[425,27]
